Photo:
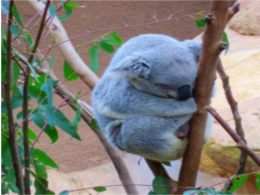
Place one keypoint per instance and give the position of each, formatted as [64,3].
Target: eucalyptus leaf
[52,10]
[44,158]
[65,192]
[238,181]
[159,185]
[17,16]
[69,73]
[200,22]
[14,30]
[93,54]
[47,88]
[68,10]
[99,189]
[106,46]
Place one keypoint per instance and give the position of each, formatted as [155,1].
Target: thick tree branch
[67,49]
[219,15]
[87,116]
[240,143]
[238,121]
[12,135]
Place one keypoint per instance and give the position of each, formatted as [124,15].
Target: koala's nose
[184,92]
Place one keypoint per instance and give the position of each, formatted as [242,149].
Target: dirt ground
[73,155]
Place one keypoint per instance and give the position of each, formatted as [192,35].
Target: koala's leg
[149,136]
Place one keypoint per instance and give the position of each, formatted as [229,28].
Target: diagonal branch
[238,121]
[240,143]
[219,15]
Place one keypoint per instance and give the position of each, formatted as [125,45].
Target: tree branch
[67,49]
[12,135]
[238,121]
[240,143]
[216,20]
[25,104]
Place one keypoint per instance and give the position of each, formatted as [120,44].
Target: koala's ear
[132,67]
[195,48]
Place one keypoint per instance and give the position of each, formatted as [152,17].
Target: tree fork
[219,15]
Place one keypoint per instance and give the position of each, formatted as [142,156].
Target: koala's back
[154,45]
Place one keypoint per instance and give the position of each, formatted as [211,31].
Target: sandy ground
[73,155]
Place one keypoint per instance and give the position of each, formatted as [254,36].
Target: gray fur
[137,101]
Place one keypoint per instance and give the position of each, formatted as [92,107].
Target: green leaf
[41,156]
[114,40]
[225,39]
[106,46]
[94,124]
[40,169]
[38,119]
[52,10]
[49,113]
[10,175]
[76,119]
[52,62]
[31,134]
[68,10]
[65,192]
[63,123]
[36,93]
[189,192]
[99,189]
[14,30]
[4,145]
[151,193]
[238,181]
[17,16]
[14,188]
[69,73]
[17,102]
[15,72]
[159,185]
[258,181]
[29,39]
[3,66]
[167,163]
[5,6]
[93,54]
[47,88]
[200,22]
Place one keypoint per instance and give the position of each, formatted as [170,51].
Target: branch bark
[59,33]
[220,13]
[12,135]
[238,121]
[240,143]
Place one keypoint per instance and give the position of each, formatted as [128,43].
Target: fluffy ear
[195,48]
[132,67]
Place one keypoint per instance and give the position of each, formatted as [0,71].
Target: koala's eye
[164,86]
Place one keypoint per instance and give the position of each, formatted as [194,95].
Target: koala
[144,100]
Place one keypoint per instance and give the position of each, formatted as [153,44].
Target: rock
[247,20]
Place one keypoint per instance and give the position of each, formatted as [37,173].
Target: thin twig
[25,104]
[12,135]
[239,141]
[238,121]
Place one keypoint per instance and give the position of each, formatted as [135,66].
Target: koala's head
[160,65]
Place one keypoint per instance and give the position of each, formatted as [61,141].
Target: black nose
[184,92]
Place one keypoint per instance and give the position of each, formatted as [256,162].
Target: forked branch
[219,14]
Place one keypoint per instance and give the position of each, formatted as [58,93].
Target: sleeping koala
[143,102]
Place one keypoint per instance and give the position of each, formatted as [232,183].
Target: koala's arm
[123,101]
